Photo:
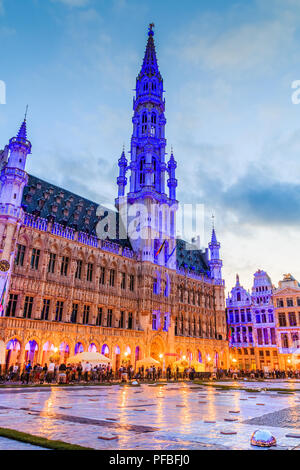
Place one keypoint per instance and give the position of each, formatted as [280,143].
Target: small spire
[21,137]
[150,30]
[237,280]
[22,134]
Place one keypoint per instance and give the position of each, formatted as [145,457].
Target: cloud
[237,42]
[73,3]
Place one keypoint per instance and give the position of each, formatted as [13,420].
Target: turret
[122,180]
[172,181]
[215,262]
[13,178]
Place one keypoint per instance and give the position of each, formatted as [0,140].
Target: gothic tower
[13,180]
[151,212]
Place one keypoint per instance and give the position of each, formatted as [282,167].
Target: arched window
[154,170]
[144,123]
[142,172]
[153,86]
[146,86]
[153,124]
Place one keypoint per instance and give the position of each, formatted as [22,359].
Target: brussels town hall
[68,285]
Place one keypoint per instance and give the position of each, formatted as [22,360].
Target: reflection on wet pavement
[120,417]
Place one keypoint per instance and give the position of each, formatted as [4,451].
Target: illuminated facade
[286,300]
[67,289]
[265,326]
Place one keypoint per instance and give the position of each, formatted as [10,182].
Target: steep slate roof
[46,200]
[193,260]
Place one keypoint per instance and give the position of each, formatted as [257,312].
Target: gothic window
[153,125]
[102,275]
[99,316]
[154,170]
[153,86]
[78,269]
[154,321]
[166,248]
[123,280]
[86,314]
[122,319]
[74,313]
[130,321]
[89,274]
[144,123]
[109,317]
[64,266]
[51,264]
[20,255]
[35,257]
[146,86]
[45,309]
[176,326]
[142,172]
[112,277]
[28,307]
[59,310]
[131,282]
[12,305]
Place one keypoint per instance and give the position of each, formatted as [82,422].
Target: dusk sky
[228,69]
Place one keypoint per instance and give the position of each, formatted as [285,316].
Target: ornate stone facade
[67,289]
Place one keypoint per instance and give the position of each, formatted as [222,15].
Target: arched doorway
[157,349]
[105,350]
[127,356]
[13,348]
[118,358]
[48,351]
[92,348]
[78,348]
[31,351]
[64,352]
[2,353]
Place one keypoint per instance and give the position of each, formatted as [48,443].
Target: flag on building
[160,248]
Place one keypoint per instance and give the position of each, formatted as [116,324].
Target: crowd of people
[87,372]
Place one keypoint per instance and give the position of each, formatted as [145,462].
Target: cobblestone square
[175,416]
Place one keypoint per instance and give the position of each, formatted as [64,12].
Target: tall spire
[150,65]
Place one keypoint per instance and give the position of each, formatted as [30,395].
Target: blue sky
[227,67]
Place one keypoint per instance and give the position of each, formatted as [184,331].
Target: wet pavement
[174,416]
